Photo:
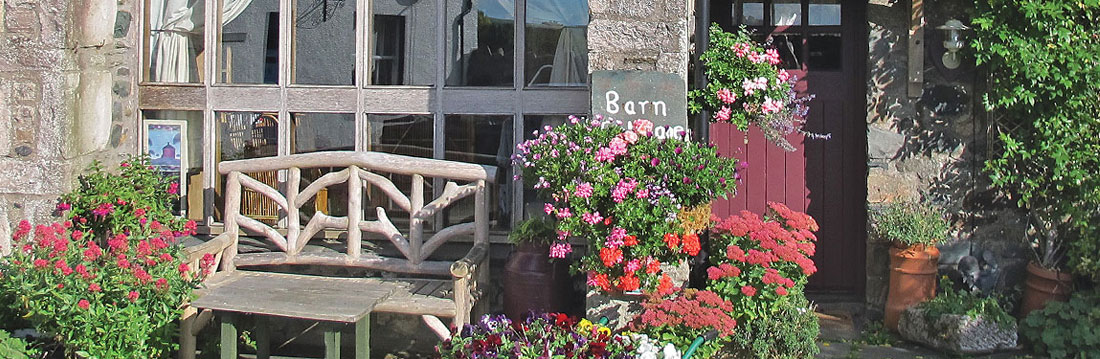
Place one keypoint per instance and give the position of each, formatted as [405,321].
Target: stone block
[5,227]
[95,22]
[959,334]
[32,177]
[22,19]
[883,144]
[624,9]
[617,35]
[92,127]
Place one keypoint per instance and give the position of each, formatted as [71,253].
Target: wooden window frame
[285,98]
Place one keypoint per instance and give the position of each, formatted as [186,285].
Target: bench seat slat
[435,300]
[295,296]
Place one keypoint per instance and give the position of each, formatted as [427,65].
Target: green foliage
[105,202]
[689,315]
[875,333]
[962,302]
[1066,329]
[15,348]
[1044,61]
[789,333]
[910,223]
[540,230]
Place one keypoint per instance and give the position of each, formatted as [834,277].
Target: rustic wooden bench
[415,282]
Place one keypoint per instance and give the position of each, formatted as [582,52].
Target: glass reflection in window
[752,13]
[244,135]
[556,50]
[789,47]
[324,42]
[175,40]
[487,140]
[404,38]
[249,47]
[786,13]
[825,12]
[314,132]
[825,51]
[480,42]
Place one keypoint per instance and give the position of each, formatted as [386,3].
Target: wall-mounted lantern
[952,42]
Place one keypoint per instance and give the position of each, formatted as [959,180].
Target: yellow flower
[604,330]
[584,325]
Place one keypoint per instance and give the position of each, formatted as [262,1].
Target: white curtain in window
[173,24]
[570,58]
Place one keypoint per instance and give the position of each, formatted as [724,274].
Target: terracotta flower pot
[532,282]
[1044,285]
[912,280]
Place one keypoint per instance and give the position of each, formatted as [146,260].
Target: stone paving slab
[847,350]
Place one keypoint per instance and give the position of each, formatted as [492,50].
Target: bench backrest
[360,169]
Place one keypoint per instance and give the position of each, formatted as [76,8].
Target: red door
[824,43]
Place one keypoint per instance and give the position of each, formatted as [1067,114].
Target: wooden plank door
[823,42]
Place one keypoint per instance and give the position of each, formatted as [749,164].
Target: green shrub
[789,333]
[1066,329]
[109,282]
[15,348]
[536,230]
[910,223]
[1044,93]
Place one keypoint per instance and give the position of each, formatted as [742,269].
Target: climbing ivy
[1044,63]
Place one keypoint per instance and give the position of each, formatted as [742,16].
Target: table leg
[362,338]
[229,336]
[332,341]
[263,337]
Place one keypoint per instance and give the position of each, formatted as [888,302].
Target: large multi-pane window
[443,79]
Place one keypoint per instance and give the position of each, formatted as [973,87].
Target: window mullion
[212,24]
[362,69]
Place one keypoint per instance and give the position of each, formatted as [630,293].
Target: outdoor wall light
[952,42]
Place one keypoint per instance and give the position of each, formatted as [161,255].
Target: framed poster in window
[166,146]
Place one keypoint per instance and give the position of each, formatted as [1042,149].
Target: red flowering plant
[688,315]
[636,199]
[758,261]
[746,85]
[104,202]
[543,335]
[120,300]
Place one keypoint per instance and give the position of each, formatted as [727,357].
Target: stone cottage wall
[67,74]
[932,146]
[650,35]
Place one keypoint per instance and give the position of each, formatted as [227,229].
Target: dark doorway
[824,43]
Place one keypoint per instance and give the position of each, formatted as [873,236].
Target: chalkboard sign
[630,95]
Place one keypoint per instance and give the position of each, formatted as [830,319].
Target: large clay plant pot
[534,283]
[913,273]
[1044,285]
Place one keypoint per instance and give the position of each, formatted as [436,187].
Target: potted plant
[913,229]
[535,280]
[1047,280]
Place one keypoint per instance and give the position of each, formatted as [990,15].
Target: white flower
[671,352]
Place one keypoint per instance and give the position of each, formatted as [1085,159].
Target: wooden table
[335,302]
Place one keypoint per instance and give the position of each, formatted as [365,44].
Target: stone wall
[932,146]
[66,88]
[650,35]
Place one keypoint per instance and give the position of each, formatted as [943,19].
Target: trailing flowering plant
[687,316]
[746,86]
[547,335]
[105,202]
[636,199]
[757,262]
[115,300]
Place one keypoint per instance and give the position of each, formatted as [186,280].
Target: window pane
[404,35]
[556,50]
[175,41]
[312,132]
[249,48]
[173,142]
[752,13]
[324,42]
[790,50]
[244,135]
[825,52]
[409,135]
[480,42]
[786,13]
[825,12]
[487,140]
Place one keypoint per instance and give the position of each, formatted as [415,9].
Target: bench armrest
[216,247]
[468,264]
